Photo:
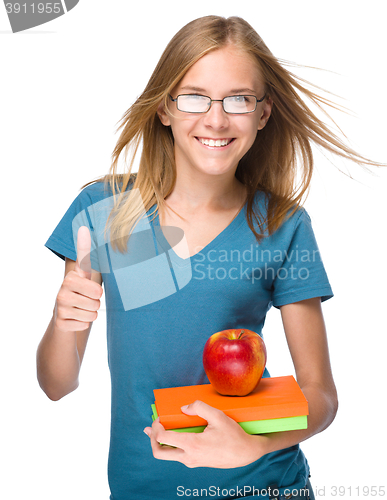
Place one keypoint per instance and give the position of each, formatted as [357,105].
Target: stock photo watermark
[27,14]
[238,492]
[287,493]
[254,264]
[157,264]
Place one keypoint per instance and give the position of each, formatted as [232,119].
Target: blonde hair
[280,154]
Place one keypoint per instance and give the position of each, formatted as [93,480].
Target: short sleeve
[302,274]
[63,240]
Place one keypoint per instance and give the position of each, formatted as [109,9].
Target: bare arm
[61,350]
[306,336]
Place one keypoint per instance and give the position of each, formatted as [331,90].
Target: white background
[63,88]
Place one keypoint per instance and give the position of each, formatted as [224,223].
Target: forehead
[223,70]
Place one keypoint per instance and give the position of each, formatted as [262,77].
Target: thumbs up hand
[78,299]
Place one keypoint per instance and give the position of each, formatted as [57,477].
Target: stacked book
[276,404]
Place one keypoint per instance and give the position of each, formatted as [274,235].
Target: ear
[164,118]
[266,112]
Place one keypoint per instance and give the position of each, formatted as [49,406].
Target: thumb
[203,410]
[83,263]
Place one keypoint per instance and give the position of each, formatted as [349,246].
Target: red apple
[234,361]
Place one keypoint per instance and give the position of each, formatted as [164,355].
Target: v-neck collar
[220,238]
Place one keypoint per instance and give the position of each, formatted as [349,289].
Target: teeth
[218,143]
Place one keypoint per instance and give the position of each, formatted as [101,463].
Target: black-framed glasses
[233,104]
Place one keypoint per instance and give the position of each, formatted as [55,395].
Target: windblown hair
[280,162]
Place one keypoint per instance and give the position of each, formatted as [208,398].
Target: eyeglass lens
[237,104]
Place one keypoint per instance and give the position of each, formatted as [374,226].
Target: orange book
[275,397]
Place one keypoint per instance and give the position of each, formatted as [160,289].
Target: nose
[216,117]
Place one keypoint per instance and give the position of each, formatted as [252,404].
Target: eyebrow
[233,91]
[239,91]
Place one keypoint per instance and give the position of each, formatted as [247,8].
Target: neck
[210,195]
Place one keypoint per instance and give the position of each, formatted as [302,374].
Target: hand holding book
[208,448]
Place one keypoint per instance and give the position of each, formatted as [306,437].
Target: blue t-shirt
[161,309]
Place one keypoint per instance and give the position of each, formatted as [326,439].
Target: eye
[241,98]
[193,103]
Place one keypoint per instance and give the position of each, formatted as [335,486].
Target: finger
[69,325]
[88,288]
[80,315]
[180,440]
[86,303]
[163,443]
[83,264]
[158,434]
[203,410]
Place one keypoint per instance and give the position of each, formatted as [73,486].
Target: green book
[255,426]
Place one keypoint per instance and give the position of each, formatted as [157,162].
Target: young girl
[207,236]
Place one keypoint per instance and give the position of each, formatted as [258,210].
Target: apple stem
[240,335]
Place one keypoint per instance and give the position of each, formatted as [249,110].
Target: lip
[218,148]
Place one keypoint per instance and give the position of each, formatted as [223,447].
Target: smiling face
[213,143]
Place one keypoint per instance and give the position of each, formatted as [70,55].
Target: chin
[214,170]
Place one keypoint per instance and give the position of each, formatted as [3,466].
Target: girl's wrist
[258,447]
